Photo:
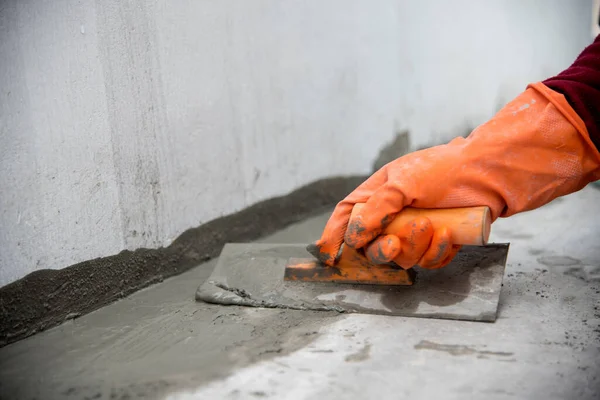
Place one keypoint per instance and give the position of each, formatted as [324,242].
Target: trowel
[289,276]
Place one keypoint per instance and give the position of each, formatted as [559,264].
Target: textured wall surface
[124,123]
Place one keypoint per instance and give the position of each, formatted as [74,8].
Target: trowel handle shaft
[469,225]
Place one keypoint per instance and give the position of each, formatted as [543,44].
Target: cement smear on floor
[47,298]
[155,341]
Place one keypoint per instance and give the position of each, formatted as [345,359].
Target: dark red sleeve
[580,84]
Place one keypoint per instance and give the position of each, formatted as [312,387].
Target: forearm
[580,84]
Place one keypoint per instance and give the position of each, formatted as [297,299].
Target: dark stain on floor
[459,350]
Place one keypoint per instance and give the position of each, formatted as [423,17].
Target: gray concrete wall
[125,122]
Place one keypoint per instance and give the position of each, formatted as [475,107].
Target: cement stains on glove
[419,245]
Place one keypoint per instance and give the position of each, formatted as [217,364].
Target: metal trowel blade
[253,275]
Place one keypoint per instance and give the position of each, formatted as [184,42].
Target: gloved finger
[378,211]
[455,249]
[383,249]
[327,248]
[415,239]
[439,250]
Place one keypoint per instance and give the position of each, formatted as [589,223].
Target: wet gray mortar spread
[46,298]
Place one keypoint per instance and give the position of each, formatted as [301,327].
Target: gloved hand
[533,150]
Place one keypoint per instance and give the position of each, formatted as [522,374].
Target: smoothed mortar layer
[46,298]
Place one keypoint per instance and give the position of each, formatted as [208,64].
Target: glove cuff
[560,102]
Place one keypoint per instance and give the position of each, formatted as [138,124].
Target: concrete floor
[160,343]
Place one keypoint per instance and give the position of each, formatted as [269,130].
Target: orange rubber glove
[533,150]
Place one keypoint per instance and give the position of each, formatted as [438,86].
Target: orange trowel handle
[469,225]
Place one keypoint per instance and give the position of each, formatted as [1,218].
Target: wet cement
[153,342]
[161,342]
[46,298]
[252,275]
